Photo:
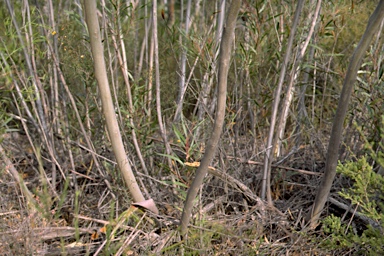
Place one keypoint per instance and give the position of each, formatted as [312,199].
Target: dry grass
[229,218]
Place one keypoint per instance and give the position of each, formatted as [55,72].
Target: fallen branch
[230,180]
[359,215]
[276,166]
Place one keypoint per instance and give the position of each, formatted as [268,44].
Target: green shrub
[367,193]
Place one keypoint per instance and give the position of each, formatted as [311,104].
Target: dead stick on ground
[276,166]
[231,180]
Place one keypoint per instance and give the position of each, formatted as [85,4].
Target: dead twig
[50,233]
[276,166]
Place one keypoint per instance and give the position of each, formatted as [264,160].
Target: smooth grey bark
[224,59]
[265,187]
[106,99]
[337,128]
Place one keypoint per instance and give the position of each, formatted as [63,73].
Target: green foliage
[367,186]
[75,56]
[186,135]
[340,235]
[366,192]
[4,120]
[343,24]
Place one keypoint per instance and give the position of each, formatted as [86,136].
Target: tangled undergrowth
[90,216]
[61,192]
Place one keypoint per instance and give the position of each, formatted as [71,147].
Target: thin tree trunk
[295,73]
[341,112]
[225,56]
[108,108]
[268,158]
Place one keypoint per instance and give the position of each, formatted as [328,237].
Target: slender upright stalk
[157,81]
[225,56]
[183,64]
[106,98]
[295,72]
[341,112]
[266,188]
